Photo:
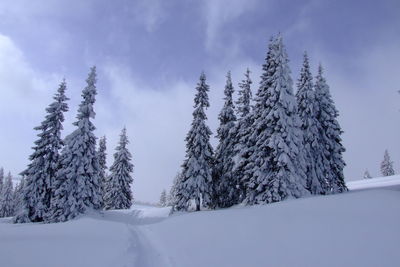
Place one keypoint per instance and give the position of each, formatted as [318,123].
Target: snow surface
[392,181]
[359,228]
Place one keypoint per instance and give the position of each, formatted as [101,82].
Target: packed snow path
[142,249]
[113,238]
[358,228]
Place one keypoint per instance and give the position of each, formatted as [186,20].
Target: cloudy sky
[149,55]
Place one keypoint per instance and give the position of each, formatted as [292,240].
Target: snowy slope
[352,229]
[388,181]
[358,228]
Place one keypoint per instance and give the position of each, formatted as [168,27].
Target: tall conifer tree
[226,190]
[311,127]
[102,157]
[44,162]
[279,167]
[77,185]
[118,193]
[243,129]
[196,183]
[330,135]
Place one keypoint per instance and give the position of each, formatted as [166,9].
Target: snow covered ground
[388,181]
[359,228]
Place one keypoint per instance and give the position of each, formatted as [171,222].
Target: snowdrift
[359,228]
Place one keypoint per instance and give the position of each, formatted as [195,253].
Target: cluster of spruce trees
[67,177]
[10,196]
[279,146]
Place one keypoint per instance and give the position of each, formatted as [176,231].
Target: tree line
[67,177]
[274,146]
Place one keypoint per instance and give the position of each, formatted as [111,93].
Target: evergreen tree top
[55,110]
[323,94]
[201,98]
[123,141]
[243,102]
[281,80]
[60,95]
[268,68]
[89,93]
[103,144]
[227,115]
[122,153]
[305,80]
[305,95]
[8,182]
[228,92]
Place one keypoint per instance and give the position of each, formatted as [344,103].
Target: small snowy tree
[77,185]
[7,198]
[1,178]
[310,126]
[387,165]
[242,149]
[196,183]
[118,183]
[102,157]
[19,196]
[163,198]
[44,162]
[367,175]
[330,139]
[225,182]
[172,196]
[278,172]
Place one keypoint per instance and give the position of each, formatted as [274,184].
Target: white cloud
[23,97]
[149,13]
[219,12]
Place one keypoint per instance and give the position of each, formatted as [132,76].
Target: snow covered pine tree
[118,183]
[196,183]
[163,198]
[172,196]
[77,185]
[367,175]
[7,198]
[315,158]
[241,151]
[225,184]
[102,158]
[1,179]
[44,162]
[19,195]
[330,139]
[387,165]
[278,170]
